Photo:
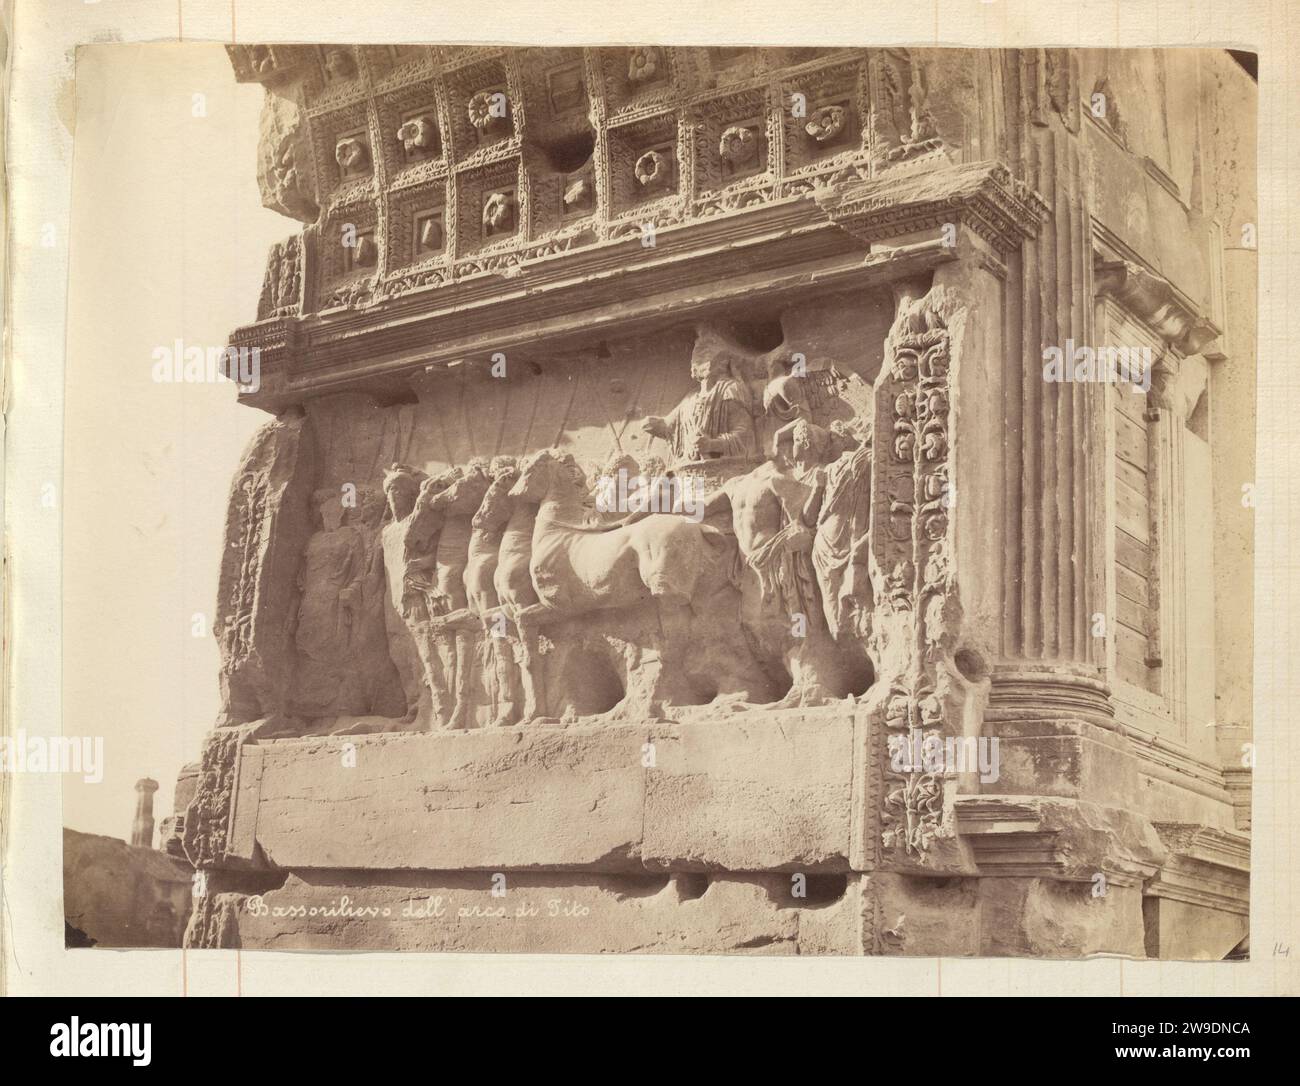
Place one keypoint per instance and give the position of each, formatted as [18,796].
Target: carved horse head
[545,472]
[465,494]
[496,506]
[424,518]
[434,485]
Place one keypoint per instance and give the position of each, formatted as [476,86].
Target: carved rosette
[487,109]
[826,123]
[911,559]
[417,134]
[643,64]
[498,212]
[738,145]
[652,169]
[350,153]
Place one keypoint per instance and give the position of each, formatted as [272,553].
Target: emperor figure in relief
[717,419]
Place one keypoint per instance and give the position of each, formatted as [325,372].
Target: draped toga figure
[841,544]
[717,419]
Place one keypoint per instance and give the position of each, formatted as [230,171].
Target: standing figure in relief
[841,546]
[513,582]
[455,626]
[344,665]
[410,542]
[717,419]
[773,511]
[500,668]
[837,463]
[401,487]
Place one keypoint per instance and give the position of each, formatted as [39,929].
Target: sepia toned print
[734,500]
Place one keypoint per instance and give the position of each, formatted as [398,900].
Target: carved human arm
[655,427]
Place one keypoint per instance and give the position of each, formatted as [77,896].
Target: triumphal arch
[698,509]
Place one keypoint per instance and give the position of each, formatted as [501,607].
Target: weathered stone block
[1047,918]
[752,794]
[487,800]
[764,792]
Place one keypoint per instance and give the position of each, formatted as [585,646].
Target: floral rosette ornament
[642,64]
[826,123]
[651,169]
[415,134]
[486,108]
[738,145]
[350,154]
[499,212]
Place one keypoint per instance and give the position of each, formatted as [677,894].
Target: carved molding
[1073,691]
[214,922]
[781,247]
[862,115]
[1238,780]
[984,196]
[1040,836]
[1156,301]
[1206,866]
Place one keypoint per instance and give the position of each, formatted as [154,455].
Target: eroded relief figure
[343,665]
[841,545]
[453,623]
[401,488]
[410,556]
[717,419]
[774,511]
[454,548]
[513,581]
[488,528]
